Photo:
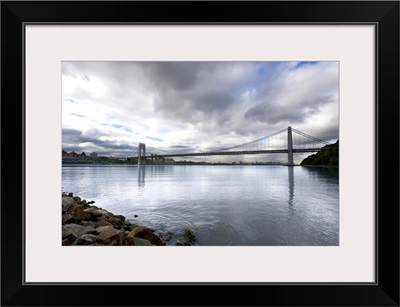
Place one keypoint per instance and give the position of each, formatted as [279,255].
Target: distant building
[93,155]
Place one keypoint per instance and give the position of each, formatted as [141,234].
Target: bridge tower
[141,154]
[290,146]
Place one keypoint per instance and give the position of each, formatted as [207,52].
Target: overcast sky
[111,107]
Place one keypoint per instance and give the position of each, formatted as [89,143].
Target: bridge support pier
[141,154]
[290,146]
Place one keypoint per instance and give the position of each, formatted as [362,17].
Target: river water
[245,205]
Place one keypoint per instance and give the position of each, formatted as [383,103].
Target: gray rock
[66,242]
[121,237]
[68,234]
[166,236]
[86,230]
[100,214]
[88,223]
[77,230]
[116,222]
[131,240]
[103,228]
[142,242]
[87,239]
[102,223]
[90,209]
[79,214]
[108,235]
[120,217]
[145,233]
[67,200]
[67,218]
[67,203]
[131,227]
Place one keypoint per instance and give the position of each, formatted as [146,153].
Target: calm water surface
[223,205]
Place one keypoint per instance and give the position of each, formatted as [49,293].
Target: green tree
[328,156]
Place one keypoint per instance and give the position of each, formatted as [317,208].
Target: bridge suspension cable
[255,141]
[310,137]
[134,153]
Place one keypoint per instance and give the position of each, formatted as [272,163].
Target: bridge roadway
[244,152]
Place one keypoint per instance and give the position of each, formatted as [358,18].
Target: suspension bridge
[287,141]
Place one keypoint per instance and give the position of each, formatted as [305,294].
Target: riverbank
[86,224]
[327,166]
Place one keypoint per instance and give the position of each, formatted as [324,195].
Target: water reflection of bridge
[291,188]
[142,177]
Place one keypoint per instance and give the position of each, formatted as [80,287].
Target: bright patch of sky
[262,70]
[300,64]
[154,139]
[195,106]
[122,127]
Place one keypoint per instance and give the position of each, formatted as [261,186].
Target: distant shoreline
[328,166]
[180,163]
[194,164]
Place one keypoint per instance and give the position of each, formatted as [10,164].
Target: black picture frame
[383,14]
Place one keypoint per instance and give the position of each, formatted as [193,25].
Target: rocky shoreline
[86,224]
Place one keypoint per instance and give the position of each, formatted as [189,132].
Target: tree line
[328,156]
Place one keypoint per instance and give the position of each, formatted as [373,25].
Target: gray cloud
[180,147]
[72,139]
[179,76]
[295,111]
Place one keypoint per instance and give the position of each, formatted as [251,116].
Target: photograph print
[207,153]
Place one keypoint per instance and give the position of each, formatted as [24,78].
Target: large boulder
[73,231]
[67,218]
[77,199]
[67,204]
[142,242]
[88,223]
[131,240]
[87,239]
[99,213]
[79,214]
[104,228]
[102,223]
[116,222]
[146,234]
[166,236]
[67,200]
[107,235]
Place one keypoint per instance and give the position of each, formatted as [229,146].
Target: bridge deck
[245,152]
